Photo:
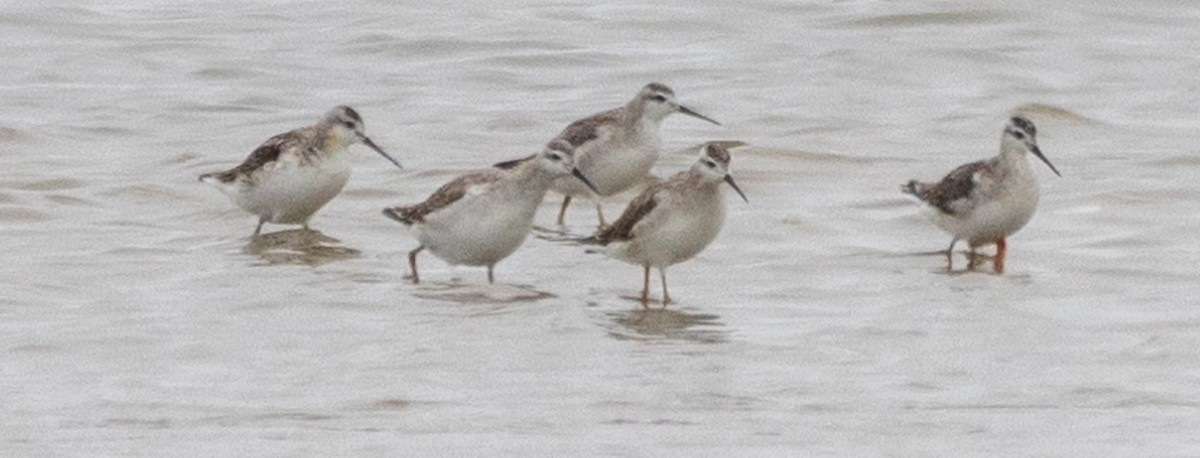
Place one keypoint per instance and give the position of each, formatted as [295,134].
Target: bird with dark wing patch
[958,185]
[984,202]
[292,175]
[672,221]
[448,194]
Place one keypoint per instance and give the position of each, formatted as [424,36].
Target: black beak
[729,179]
[371,144]
[693,113]
[1038,152]
[584,179]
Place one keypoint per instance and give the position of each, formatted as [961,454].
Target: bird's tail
[913,187]
[399,214]
[219,181]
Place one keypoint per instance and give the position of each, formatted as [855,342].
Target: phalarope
[616,148]
[672,221]
[480,218]
[984,202]
[292,175]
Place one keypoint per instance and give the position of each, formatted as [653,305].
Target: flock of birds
[480,218]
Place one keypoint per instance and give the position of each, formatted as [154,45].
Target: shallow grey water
[138,318]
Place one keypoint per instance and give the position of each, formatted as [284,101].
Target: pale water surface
[137,318]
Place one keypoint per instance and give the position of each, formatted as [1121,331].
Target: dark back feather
[958,184]
[587,129]
[622,228]
[267,152]
[448,194]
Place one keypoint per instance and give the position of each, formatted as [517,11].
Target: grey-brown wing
[576,133]
[587,129]
[449,193]
[958,185]
[622,228]
[265,153]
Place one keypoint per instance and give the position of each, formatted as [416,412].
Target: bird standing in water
[672,221]
[615,149]
[984,202]
[292,175]
[480,218]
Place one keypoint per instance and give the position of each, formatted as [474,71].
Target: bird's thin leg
[998,262]
[562,212]
[412,264]
[666,296]
[491,279]
[600,214]
[258,229]
[950,255]
[646,286]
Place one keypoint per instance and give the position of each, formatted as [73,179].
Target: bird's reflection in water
[977,262]
[299,246]
[459,292]
[553,234]
[666,324]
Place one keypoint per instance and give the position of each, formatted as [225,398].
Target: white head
[1020,135]
[558,157]
[714,166]
[348,126]
[657,101]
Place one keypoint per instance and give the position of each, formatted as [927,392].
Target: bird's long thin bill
[693,113]
[729,179]
[1038,152]
[585,181]
[372,145]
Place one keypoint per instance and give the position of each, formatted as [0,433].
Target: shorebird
[984,202]
[480,218]
[671,221]
[292,175]
[616,148]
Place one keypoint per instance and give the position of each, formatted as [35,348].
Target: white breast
[614,163]
[289,192]
[684,226]
[483,227]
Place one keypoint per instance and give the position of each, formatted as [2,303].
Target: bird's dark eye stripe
[660,98]
[349,124]
[554,157]
[710,163]
[1025,125]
